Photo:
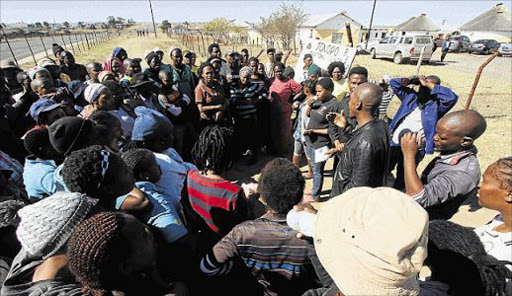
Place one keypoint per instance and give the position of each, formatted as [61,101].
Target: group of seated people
[113,181]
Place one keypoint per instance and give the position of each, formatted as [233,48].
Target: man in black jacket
[364,157]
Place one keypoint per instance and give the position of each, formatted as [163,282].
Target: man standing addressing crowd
[364,157]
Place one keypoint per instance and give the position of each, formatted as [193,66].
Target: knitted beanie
[70,133]
[47,225]
[56,48]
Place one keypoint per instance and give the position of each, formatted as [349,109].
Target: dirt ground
[493,98]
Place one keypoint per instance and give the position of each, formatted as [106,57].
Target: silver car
[459,43]
[403,48]
[505,48]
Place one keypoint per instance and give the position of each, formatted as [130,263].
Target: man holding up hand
[421,108]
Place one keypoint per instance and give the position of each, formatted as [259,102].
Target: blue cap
[77,87]
[149,123]
[42,105]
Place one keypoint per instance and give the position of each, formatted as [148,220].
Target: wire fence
[26,51]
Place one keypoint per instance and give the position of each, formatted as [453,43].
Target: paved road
[21,50]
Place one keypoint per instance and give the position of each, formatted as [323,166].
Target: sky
[453,13]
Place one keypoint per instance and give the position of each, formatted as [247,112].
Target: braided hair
[82,170]
[133,159]
[502,172]
[95,251]
[212,151]
[449,241]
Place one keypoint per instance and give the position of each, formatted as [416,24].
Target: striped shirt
[243,100]
[270,249]
[220,203]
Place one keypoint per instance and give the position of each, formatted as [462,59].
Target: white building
[496,23]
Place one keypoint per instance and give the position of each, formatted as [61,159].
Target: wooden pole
[44,46]
[30,48]
[477,78]
[9,45]
[87,40]
[78,44]
[64,42]
[418,65]
[71,42]
[152,17]
[349,34]
[370,27]
[258,56]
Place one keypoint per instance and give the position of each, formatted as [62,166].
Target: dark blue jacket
[430,113]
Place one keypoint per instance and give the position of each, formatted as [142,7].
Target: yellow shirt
[340,88]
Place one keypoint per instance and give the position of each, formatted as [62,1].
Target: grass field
[493,99]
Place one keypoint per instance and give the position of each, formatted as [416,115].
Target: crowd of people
[113,180]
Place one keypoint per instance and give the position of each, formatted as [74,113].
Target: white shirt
[496,244]
[411,122]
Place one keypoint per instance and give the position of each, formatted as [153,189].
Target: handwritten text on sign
[323,54]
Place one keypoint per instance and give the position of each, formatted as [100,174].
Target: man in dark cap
[364,157]
[71,68]
[144,92]
[57,49]
[453,177]
[10,71]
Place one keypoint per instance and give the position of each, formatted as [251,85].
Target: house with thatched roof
[418,25]
[496,23]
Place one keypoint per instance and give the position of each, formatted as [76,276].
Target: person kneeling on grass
[267,245]
[453,177]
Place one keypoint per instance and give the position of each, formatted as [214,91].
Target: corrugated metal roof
[497,18]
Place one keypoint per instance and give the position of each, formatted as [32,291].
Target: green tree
[66,24]
[111,21]
[219,27]
[46,25]
[39,25]
[165,26]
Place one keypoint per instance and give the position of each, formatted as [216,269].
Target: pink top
[285,89]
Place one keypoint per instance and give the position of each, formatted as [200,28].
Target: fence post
[44,46]
[477,78]
[30,48]
[71,42]
[86,39]
[9,45]
[64,42]
[78,44]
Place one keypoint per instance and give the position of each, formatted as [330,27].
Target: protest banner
[323,54]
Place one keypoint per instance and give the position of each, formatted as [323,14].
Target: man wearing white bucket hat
[371,241]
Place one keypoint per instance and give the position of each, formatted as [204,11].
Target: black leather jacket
[364,159]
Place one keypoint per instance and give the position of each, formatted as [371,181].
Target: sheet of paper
[320,155]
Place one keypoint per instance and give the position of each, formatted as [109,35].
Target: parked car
[505,48]
[459,43]
[402,48]
[484,46]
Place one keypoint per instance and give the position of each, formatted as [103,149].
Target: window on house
[383,35]
[311,33]
[336,37]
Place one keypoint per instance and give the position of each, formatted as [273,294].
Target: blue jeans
[318,173]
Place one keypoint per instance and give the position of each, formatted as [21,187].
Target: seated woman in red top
[210,98]
[282,91]
[220,203]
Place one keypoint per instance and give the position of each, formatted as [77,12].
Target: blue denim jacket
[430,114]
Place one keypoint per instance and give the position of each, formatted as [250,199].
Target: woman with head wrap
[282,91]
[106,75]
[115,66]
[120,53]
[243,100]
[308,62]
[39,72]
[99,97]
[154,62]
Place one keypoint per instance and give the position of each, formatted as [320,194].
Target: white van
[402,48]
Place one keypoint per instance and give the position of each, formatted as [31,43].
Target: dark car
[484,46]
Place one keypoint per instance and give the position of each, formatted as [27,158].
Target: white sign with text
[323,54]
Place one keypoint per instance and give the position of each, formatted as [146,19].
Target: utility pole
[152,17]
[370,27]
